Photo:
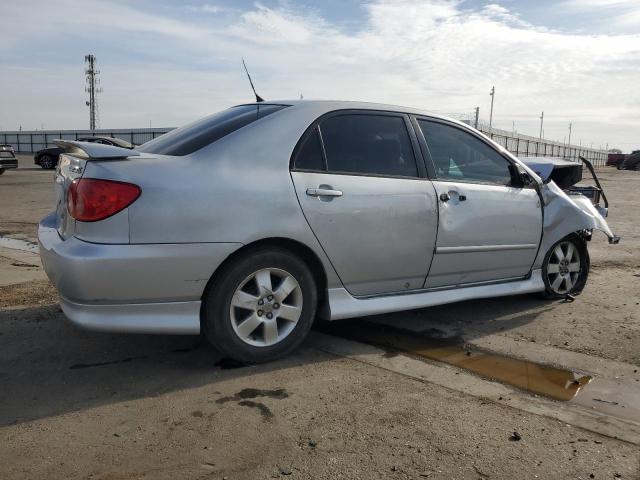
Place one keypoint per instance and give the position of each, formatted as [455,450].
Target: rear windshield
[196,135]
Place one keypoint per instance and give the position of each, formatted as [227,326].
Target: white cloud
[433,54]
[617,13]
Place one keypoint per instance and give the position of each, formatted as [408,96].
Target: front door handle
[323,192]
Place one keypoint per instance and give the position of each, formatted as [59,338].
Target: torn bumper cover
[568,208]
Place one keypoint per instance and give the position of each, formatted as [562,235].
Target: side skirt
[344,305]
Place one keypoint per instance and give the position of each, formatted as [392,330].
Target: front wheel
[261,306]
[566,267]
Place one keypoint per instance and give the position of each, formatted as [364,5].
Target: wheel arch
[304,252]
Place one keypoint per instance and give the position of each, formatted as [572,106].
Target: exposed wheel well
[301,250]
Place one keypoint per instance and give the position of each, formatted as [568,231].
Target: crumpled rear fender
[565,214]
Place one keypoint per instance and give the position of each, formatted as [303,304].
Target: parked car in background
[624,161]
[250,223]
[8,159]
[632,162]
[615,160]
[47,158]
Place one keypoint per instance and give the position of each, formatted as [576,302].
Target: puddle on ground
[16,244]
[552,382]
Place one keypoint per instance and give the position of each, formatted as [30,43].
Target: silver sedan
[249,224]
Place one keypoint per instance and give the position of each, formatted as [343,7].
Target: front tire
[1,171]
[566,267]
[261,306]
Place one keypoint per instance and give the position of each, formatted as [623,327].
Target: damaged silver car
[249,224]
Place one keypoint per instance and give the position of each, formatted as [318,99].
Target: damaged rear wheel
[566,267]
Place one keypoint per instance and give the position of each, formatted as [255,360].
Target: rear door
[367,200]
[489,227]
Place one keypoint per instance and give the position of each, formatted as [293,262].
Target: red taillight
[91,199]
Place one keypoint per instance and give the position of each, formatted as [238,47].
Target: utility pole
[541,123]
[570,126]
[513,122]
[493,94]
[92,89]
[475,123]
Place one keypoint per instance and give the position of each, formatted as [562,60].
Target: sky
[165,63]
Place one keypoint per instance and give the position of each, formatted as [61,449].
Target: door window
[462,157]
[368,144]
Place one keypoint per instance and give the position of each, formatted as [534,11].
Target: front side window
[368,144]
[190,138]
[460,156]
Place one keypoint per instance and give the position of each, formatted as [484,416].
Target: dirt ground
[78,404]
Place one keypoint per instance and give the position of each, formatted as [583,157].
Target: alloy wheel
[46,162]
[563,268]
[266,307]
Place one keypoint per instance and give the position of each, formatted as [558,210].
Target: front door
[489,229]
[360,189]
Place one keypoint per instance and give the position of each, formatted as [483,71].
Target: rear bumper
[7,163]
[151,288]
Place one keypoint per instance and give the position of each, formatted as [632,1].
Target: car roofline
[332,105]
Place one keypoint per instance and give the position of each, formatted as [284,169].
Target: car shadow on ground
[49,367]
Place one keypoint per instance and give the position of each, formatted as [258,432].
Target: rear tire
[1,171]
[620,165]
[566,267]
[261,306]
[46,162]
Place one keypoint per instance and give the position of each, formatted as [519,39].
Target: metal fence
[518,144]
[526,146]
[32,141]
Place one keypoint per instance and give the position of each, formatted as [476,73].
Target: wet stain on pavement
[265,411]
[557,383]
[249,393]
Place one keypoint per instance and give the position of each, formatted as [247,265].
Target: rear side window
[368,144]
[199,134]
[460,156]
[309,156]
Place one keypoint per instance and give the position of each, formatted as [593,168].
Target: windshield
[196,135]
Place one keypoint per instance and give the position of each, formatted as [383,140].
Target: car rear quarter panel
[237,190]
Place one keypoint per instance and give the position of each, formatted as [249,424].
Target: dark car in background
[47,158]
[632,162]
[7,158]
[624,161]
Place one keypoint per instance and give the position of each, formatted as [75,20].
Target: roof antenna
[258,97]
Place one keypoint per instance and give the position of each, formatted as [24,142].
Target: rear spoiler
[94,151]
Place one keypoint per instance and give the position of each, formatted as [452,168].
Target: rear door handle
[323,192]
[445,197]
